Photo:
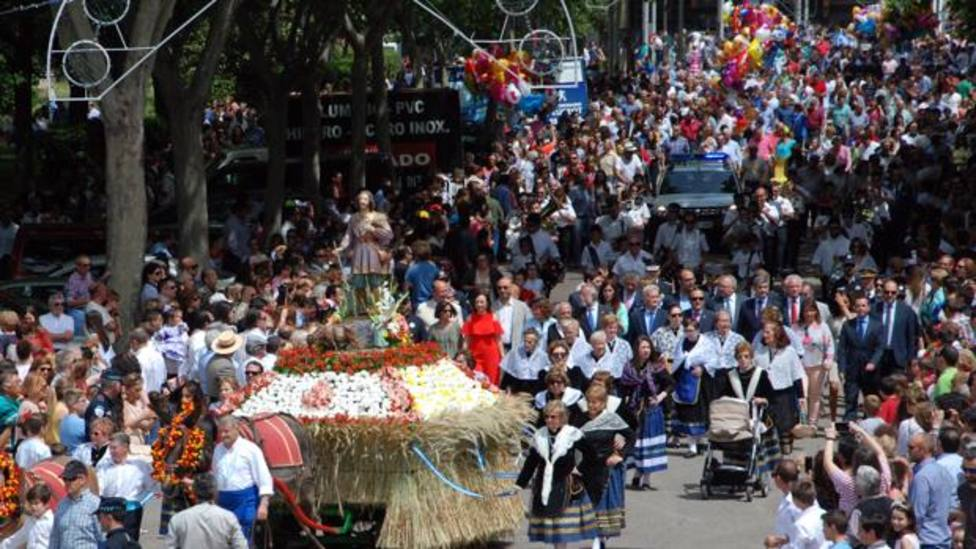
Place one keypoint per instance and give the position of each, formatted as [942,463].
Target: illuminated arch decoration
[87,62]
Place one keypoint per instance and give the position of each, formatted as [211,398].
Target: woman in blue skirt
[603,470]
[646,384]
[561,509]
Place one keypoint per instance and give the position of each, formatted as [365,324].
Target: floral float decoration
[10,491]
[191,455]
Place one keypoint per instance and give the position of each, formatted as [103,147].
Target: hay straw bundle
[373,464]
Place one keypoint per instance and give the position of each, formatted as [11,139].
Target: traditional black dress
[605,485]
[641,389]
[768,454]
[691,413]
[561,508]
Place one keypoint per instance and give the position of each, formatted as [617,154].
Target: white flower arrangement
[442,387]
[360,395]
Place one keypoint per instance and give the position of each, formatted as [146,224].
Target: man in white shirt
[58,324]
[598,252]
[150,360]
[442,292]
[690,243]
[834,246]
[629,166]
[128,479]
[244,484]
[807,529]
[664,238]
[205,524]
[511,312]
[784,475]
[635,260]
[614,223]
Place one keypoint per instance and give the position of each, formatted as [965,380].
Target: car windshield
[698,180]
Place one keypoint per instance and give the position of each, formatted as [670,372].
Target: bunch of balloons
[898,19]
[762,35]
[504,78]
[866,20]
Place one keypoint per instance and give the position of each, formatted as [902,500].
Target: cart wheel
[749,493]
[706,490]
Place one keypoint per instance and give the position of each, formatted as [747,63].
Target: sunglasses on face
[698,299]
[675,315]
[969,470]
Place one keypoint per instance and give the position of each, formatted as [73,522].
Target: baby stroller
[735,430]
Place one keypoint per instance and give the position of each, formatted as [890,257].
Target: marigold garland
[10,491]
[194,440]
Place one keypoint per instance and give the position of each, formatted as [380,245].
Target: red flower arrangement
[10,491]
[304,360]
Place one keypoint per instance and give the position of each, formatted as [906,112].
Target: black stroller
[735,430]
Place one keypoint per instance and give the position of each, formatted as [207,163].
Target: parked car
[18,294]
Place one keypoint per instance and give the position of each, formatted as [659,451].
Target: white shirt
[604,255]
[807,530]
[153,367]
[241,466]
[83,453]
[614,227]
[35,533]
[827,252]
[783,369]
[628,263]
[504,316]
[725,350]
[129,480]
[57,325]
[665,236]
[786,515]
[32,451]
[690,246]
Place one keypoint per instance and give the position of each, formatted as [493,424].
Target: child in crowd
[903,526]
[72,428]
[835,530]
[172,340]
[35,532]
[33,448]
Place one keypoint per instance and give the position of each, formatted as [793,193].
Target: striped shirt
[75,525]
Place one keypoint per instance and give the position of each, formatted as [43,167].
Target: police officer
[108,400]
[110,515]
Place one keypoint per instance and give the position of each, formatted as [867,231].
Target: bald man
[442,292]
[929,493]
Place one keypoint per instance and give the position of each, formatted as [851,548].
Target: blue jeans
[78,315]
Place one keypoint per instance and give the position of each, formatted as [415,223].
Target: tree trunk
[276,126]
[357,159]
[380,103]
[23,96]
[191,183]
[125,185]
[312,139]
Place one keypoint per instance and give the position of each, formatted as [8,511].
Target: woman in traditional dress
[599,358]
[693,355]
[561,510]
[557,388]
[561,359]
[524,366]
[618,347]
[780,361]
[483,336]
[610,438]
[365,245]
[666,337]
[646,385]
[751,384]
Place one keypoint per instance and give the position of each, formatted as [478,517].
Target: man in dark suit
[699,313]
[727,298]
[750,317]
[900,330]
[591,310]
[648,315]
[859,349]
[793,302]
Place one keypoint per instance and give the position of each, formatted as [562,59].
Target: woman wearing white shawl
[524,366]
[693,356]
[561,510]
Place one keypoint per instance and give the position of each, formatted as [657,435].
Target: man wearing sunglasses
[900,330]
[58,324]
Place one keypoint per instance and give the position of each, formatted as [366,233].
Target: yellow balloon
[755,53]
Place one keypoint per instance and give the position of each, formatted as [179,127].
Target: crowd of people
[846,273]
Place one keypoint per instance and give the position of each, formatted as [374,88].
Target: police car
[702,183]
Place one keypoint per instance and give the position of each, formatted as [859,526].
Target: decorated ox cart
[395,447]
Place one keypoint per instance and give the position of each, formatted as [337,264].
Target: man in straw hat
[222,365]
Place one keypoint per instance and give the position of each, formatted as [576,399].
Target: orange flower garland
[10,491]
[194,440]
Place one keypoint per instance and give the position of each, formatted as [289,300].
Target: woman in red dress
[483,335]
